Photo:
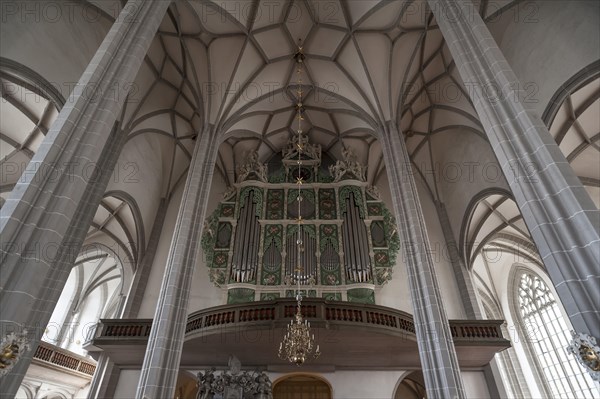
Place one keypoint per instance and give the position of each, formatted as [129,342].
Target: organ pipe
[356,244]
[245,250]
[307,258]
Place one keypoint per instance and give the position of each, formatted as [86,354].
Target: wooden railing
[318,311]
[48,353]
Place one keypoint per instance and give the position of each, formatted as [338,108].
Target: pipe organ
[348,240]
[356,245]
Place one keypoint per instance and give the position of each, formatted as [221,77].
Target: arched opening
[93,290]
[540,319]
[411,387]
[187,386]
[302,386]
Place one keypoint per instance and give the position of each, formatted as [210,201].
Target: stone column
[163,354]
[105,379]
[461,274]
[560,215]
[436,348]
[142,274]
[45,220]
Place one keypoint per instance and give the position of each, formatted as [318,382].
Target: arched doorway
[302,386]
[187,386]
[411,387]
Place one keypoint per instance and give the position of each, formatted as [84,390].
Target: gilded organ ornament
[12,348]
[587,352]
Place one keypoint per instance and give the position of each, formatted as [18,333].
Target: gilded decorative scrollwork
[587,352]
[12,348]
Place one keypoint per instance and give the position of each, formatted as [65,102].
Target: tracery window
[548,339]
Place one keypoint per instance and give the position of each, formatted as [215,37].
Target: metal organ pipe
[355,243]
[364,244]
[244,254]
[353,238]
[250,264]
[246,245]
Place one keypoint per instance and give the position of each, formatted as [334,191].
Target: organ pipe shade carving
[330,260]
[305,204]
[272,258]
[247,238]
[378,234]
[223,235]
[356,243]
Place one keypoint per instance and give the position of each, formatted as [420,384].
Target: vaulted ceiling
[230,64]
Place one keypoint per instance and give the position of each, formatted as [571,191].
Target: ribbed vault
[576,129]
[230,64]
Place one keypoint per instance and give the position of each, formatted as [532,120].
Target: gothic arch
[98,276]
[410,385]
[29,106]
[572,119]
[493,216]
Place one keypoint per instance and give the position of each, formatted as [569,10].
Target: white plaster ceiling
[230,64]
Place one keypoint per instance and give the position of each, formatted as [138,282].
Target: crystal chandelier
[298,343]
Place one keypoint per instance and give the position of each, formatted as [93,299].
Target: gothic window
[549,336]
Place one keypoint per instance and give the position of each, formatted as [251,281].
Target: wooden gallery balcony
[350,335]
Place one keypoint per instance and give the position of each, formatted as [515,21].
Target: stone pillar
[436,348]
[105,379]
[142,274]
[461,274]
[46,218]
[161,364]
[560,215]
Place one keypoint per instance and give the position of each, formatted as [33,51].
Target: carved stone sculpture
[233,383]
[348,167]
[253,167]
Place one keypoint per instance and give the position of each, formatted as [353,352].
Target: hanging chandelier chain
[298,341]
